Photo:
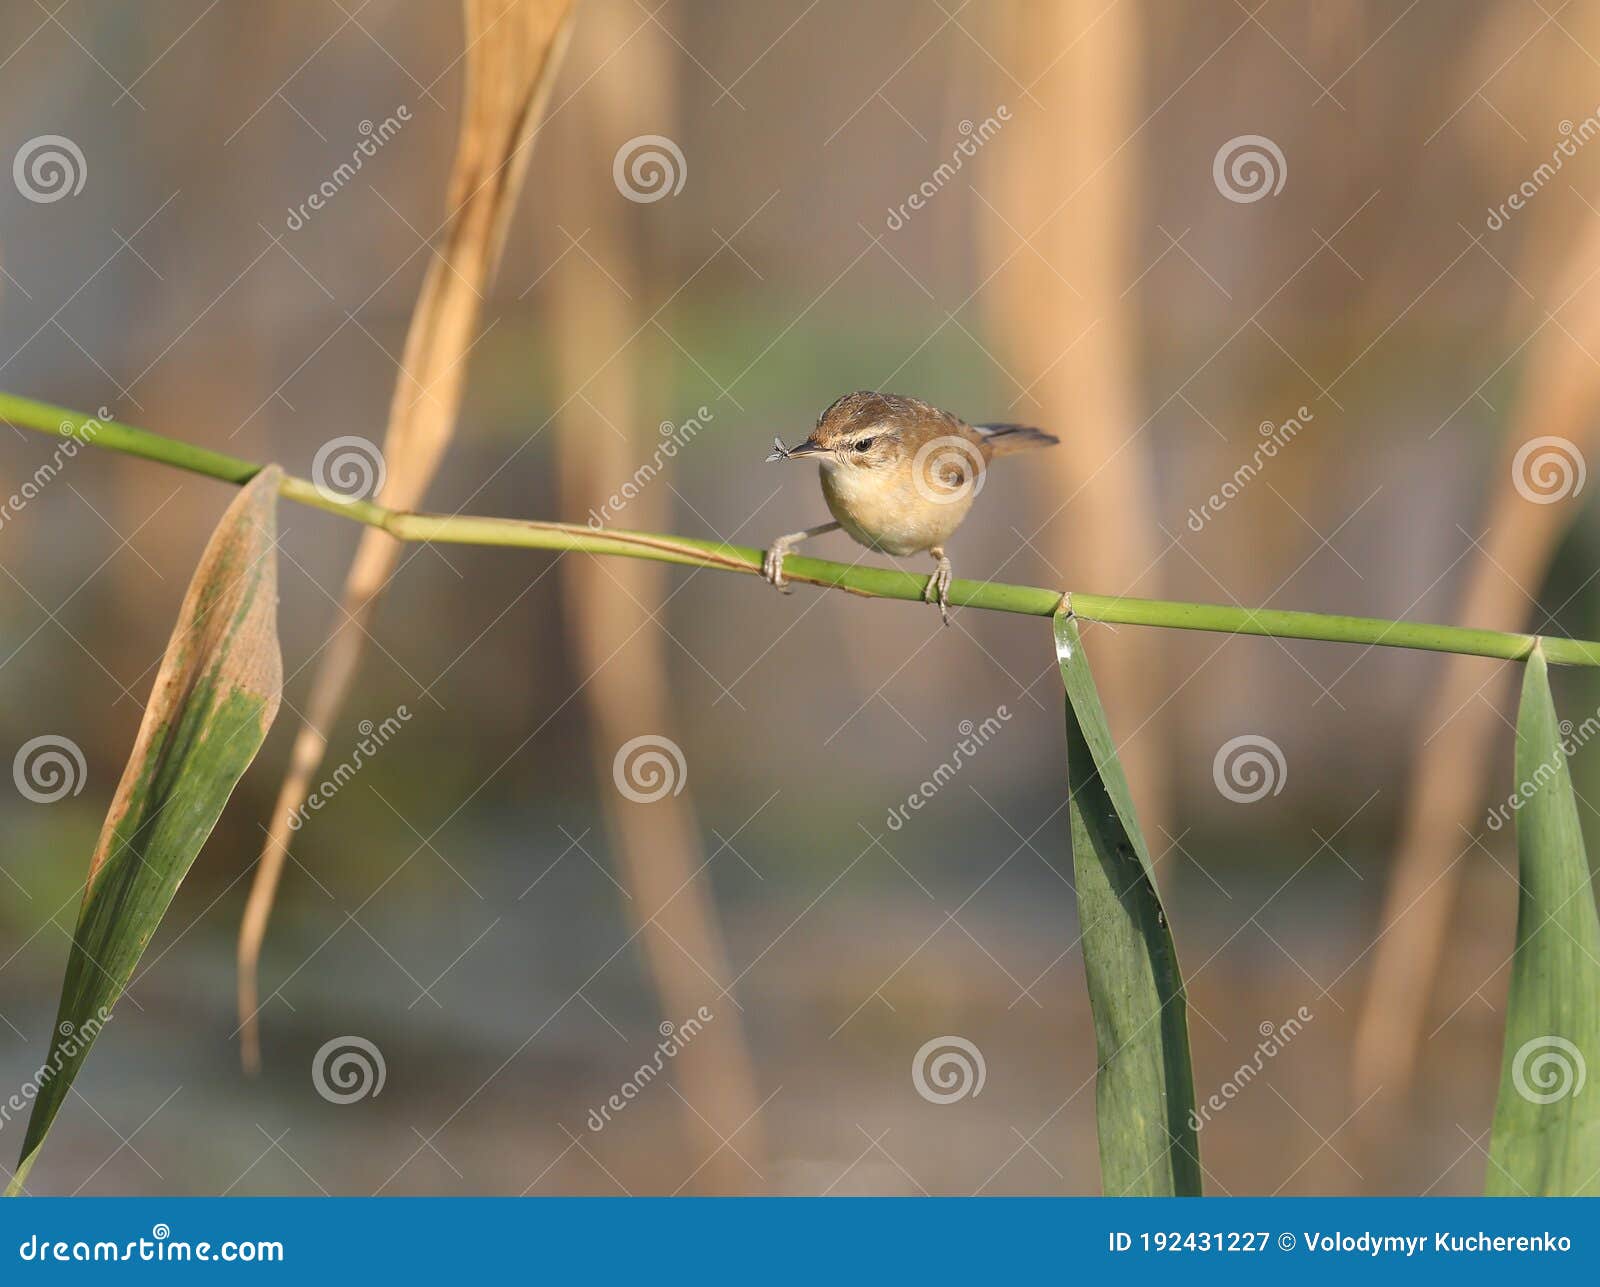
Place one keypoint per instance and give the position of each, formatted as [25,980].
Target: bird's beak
[807,448]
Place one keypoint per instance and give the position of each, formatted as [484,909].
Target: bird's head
[860,431]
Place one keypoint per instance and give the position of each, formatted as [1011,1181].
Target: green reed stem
[873,582]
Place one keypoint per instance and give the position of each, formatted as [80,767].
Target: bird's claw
[772,568]
[938,591]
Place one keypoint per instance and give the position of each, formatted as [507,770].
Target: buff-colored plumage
[899,475]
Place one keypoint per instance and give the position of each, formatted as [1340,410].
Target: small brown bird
[899,475]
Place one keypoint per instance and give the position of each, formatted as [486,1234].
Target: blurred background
[1161,232]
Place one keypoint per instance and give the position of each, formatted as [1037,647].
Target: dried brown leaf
[513,50]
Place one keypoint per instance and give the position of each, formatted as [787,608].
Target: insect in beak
[781,452]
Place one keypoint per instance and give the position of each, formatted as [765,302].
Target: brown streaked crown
[866,409]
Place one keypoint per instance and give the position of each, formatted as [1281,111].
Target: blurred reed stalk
[869,582]
[1059,244]
[613,612]
[1559,396]
[513,50]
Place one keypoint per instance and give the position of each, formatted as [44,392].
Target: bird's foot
[772,560]
[938,588]
[772,565]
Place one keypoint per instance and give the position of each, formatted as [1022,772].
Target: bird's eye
[864,444]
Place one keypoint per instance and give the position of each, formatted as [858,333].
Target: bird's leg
[938,588]
[772,561]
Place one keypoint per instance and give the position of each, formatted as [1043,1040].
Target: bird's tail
[1004,440]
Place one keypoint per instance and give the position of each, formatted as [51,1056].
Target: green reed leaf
[214,699]
[1144,1086]
[1546,1137]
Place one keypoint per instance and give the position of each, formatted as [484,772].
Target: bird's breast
[885,511]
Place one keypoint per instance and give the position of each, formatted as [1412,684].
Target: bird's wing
[1004,439]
